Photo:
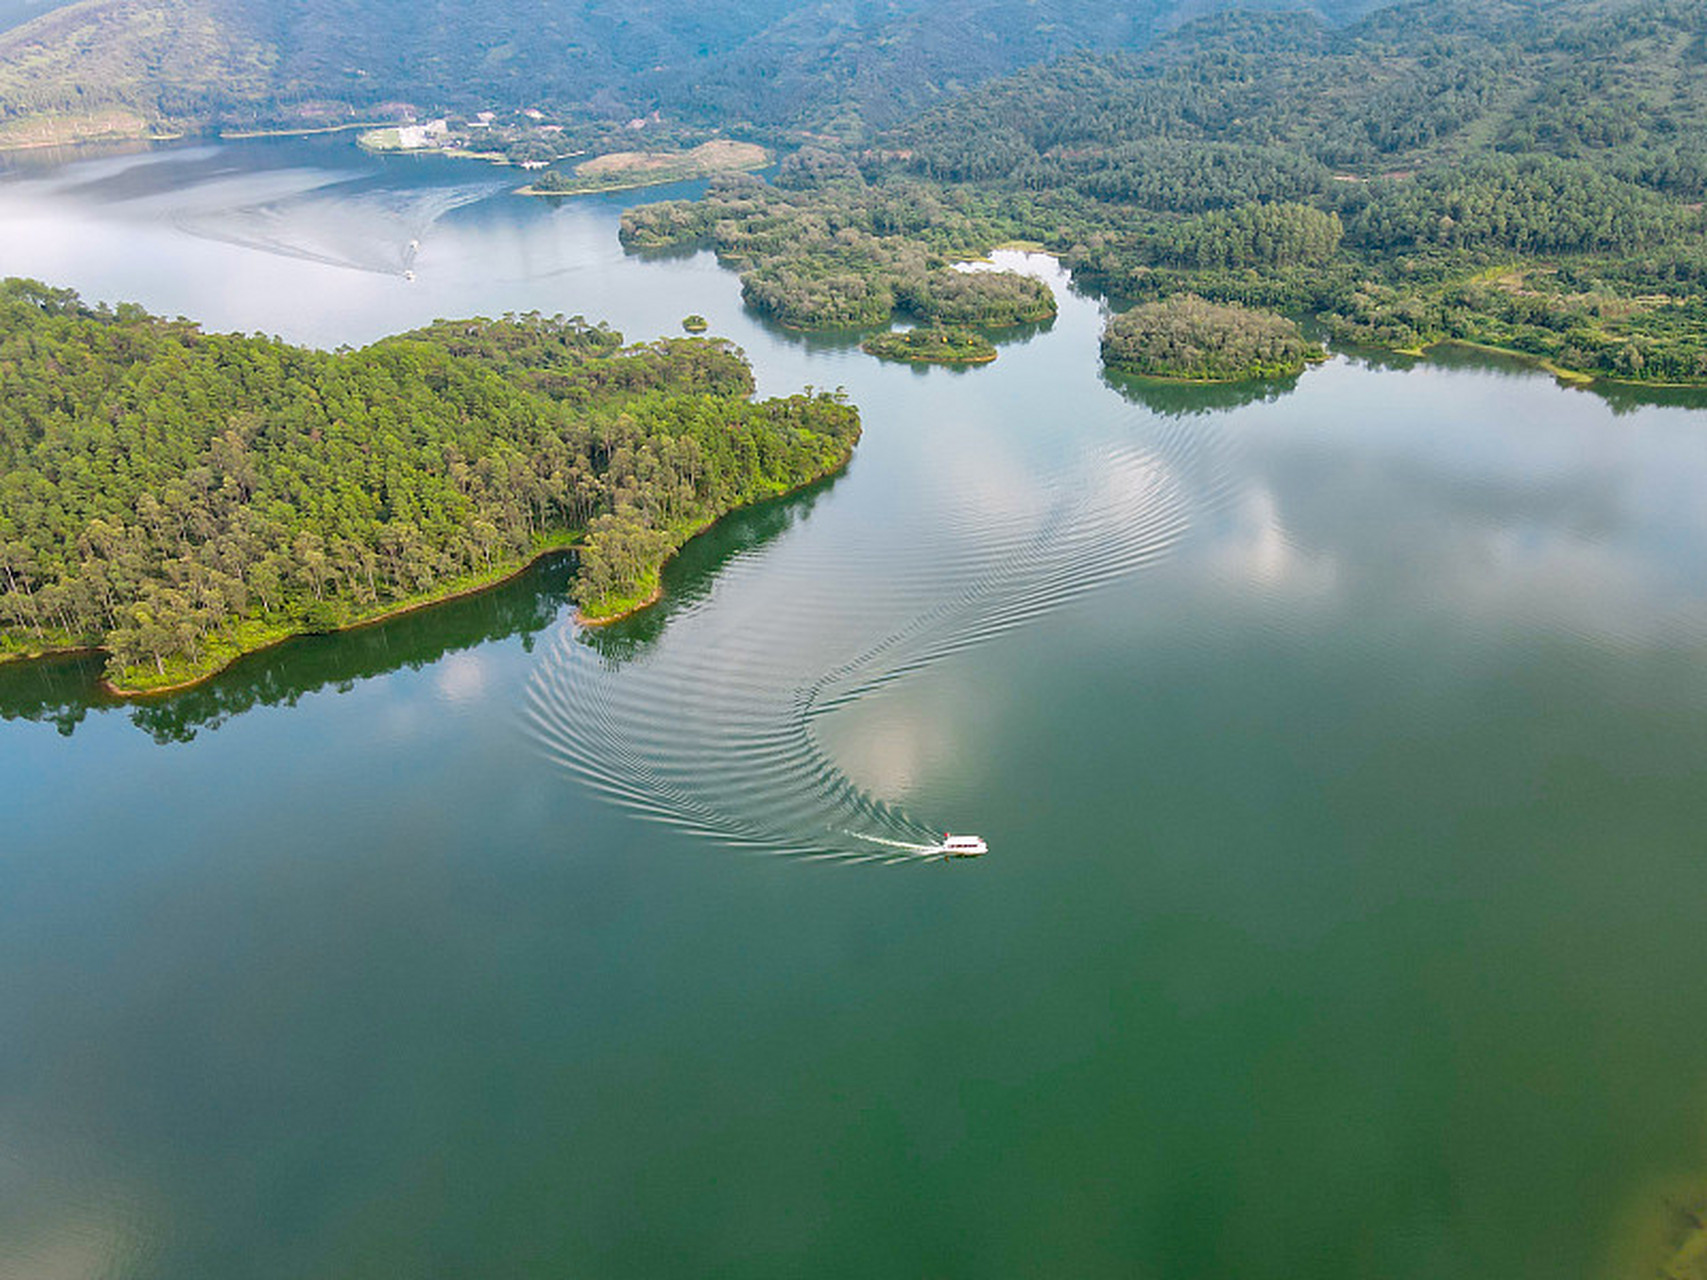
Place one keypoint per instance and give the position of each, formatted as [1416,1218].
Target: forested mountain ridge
[837,64]
[848,67]
[178,497]
[1424,81]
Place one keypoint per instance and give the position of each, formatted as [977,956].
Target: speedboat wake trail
[716,729]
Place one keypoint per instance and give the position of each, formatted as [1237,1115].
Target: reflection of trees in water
[1624,397]
[816,341]
[820,341]
[62,691]
[1377,358]
[668,253]
[1184,399]
[1620,397]
[1017,335]
[690,576]
[59,691]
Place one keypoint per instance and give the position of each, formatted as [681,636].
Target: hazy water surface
[1340,746]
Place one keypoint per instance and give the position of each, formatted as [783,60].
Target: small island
[214,494]
[932,346]
[1185,338]
[695,323]
[626,170]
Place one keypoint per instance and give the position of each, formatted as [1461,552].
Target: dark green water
[1340,747]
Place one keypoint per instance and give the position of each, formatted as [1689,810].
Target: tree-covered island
[1186,338]
[927,345]
[178,498]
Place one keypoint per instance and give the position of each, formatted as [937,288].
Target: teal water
[1339,745]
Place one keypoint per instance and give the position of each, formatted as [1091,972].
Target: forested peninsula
[177,498]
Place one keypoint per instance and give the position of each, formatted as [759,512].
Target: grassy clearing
[932,346]
[627,170]
[75,128]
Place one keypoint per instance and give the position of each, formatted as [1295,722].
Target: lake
[1340,746]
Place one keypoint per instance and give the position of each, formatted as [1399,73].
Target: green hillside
[140,64]
[843,64]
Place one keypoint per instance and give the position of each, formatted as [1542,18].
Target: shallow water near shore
[1339,745]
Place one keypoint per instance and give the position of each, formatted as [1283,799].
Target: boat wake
[377,231]
[717,731]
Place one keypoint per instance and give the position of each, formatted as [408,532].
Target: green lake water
[1340,746]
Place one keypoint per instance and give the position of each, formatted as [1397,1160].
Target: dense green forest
[1526,176]
[177,497]
[1186,337]
[1437,171]
[834,66]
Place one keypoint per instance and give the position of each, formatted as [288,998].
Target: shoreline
[402,610]
[1564,373]
[646,602]
[657,593]
[662,181]
[106,685]
[92,142]
[629,609]
[43,655]
[241,135]
[988,258]
[1179,381]
[1575,377]
[948,362]
[968,363]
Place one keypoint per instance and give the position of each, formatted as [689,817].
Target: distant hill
[878,63]
[852,63]
[1279,108]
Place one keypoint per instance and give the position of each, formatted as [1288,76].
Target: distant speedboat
[962,846]
[408,275]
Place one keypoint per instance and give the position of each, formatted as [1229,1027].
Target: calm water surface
[1340,746]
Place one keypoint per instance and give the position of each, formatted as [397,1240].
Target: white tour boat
[962,846]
